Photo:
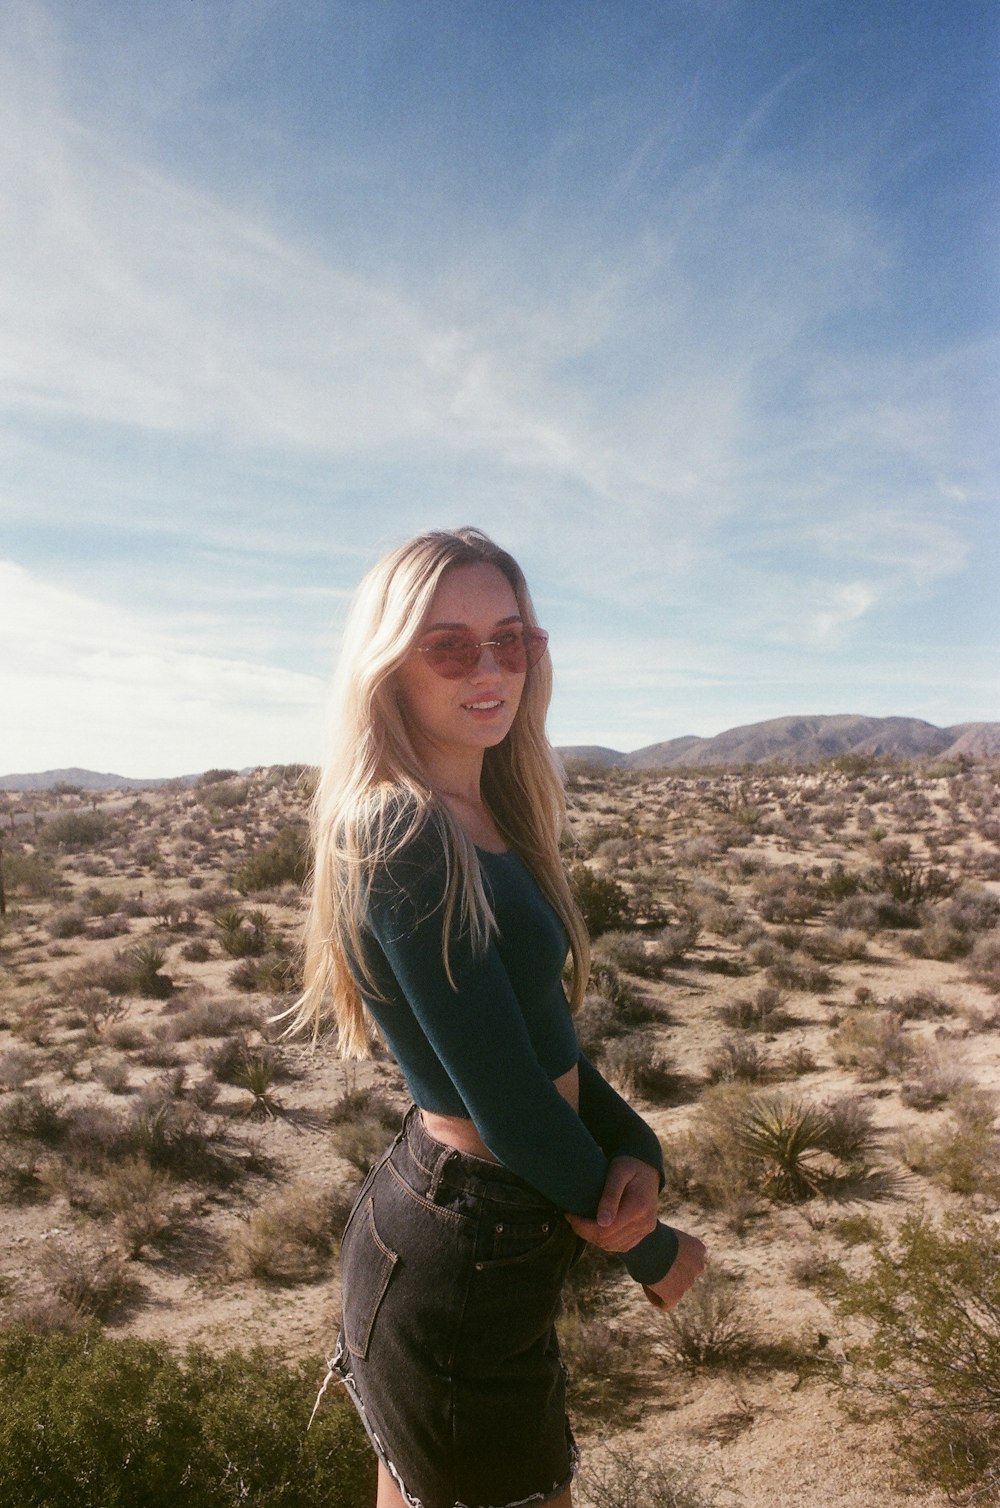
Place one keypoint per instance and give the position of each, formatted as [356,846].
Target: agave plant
[788,1137]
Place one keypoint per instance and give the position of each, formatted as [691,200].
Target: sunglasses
[453,654]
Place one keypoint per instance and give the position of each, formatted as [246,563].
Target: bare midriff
[459,1132]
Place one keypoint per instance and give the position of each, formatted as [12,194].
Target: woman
[441,912]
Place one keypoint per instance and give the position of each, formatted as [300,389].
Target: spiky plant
[788,1137]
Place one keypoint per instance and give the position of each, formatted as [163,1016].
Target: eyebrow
[500,623]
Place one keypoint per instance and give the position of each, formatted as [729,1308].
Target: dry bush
[604,1366]
[984,961]
[18,1066]
[141,1199]
[874,1043]
[964,1154]
[625,1478]
[363,1122]
[933,1079]
[640,1069]
[291,1238]
[708,1329]
[738,1059]
[93,1284]
[762,1011]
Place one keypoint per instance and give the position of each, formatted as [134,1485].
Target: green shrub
[601,899]
[932,1296]
[76,831]
[285,860]
[91,1422]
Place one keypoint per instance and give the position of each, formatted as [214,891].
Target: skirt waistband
[437,1168]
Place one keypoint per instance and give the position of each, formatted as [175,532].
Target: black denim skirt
[452,1268]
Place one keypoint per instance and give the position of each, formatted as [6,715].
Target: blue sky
[691,304]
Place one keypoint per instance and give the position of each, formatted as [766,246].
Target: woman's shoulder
[395,825]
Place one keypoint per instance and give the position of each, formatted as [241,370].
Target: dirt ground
[722,854]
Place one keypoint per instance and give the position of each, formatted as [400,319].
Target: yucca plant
[788,1138]
[257,1073]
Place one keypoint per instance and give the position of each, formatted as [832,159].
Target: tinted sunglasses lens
[452,657]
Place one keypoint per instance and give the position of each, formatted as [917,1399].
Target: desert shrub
[196,951]
[786,895]
[964,1154]
[69,922]
[835,944]
[932,1297]
[984,961]
[93,1422]
[707,1329]
[859,913]
[795,971]
[92,1284]
[640,1069]
[273,974]
[675,941]
[212,1018]
[291,1238]
[257,1070]
[602,901]
[850,1135]
[30,875]
[797,1060]
[76,831]
[115,974]
[142,1201]
[628,1479]
[363,1122]
[628,951]
[18,1065]
[223,797]
[932,1080]
[874,1043]
[242,935]
[604,1367]
[113,1074]
[282,861]
[763,1011]
[921,1005]
[906,879]
[738,1059]
[838,883]
[34,1116]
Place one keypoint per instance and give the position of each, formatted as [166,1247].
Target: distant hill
[786,740]
[803,740]
[88,780]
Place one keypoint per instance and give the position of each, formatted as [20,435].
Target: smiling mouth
[490,706]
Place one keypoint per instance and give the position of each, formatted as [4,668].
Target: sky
[691,304]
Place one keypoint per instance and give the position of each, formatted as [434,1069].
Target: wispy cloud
[117,688]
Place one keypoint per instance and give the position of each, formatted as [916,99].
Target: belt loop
[439,1167]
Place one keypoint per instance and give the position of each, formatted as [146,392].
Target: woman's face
[476,711]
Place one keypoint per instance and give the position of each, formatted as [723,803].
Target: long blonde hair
[372,797]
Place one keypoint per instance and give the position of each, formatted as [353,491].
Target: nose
[487,664]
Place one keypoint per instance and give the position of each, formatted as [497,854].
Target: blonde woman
[440,912]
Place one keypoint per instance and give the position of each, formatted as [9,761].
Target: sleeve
[478,1033]
[619,1130]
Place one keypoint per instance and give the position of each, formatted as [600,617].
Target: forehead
[473,594]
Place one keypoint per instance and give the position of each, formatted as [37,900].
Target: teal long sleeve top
[490,1047]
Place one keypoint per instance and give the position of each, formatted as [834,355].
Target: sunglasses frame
[534,642]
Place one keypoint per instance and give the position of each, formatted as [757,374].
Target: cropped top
[490,1047]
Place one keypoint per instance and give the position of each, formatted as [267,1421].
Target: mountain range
[786,740]
[804,740]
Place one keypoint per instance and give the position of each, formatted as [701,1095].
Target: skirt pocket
[367,1266]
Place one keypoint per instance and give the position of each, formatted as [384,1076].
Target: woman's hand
[688,1265]
[628,1208]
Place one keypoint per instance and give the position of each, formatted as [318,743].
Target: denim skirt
[451,1271]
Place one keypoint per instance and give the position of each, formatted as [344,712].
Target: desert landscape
[796,978]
